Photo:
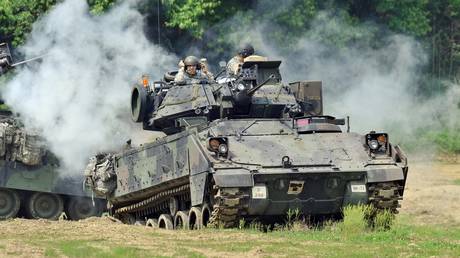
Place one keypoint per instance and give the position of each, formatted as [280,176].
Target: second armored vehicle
[247,148]
[31,183]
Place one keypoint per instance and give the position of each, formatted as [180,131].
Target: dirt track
[432,193]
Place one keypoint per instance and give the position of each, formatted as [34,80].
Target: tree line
[176,23]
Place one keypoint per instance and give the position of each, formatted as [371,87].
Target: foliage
[354,219]
[190,14]
[17,17]
[410,17]
[100,6]
[447,140]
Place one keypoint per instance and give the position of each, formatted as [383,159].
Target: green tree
[411,17]
[17,17]
[196,16]
[100,6]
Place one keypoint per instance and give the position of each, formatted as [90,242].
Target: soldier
[233,66]
[192,72]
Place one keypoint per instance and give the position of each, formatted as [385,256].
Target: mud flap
[198,188]
[385,175]
[234,178]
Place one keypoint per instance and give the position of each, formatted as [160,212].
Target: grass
[85,248]
[445,141]
[350,238]
[456,182]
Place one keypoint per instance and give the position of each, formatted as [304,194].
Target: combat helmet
[191,61]
[246,50]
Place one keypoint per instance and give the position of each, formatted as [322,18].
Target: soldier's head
[246,50]
[191,64]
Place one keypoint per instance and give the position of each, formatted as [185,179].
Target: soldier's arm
[233,66]
[209,75]
[179,79]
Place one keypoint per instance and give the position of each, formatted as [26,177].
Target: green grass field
[103,238]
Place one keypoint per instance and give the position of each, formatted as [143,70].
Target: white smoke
[78,96]
[375,84]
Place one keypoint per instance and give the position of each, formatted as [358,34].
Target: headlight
[219,145]
[377,142]
[241,87]
[223,149]
[373,144]
[259,192]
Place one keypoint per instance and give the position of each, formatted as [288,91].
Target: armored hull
[31,184]
[269,169]
[42,192]
[245,149]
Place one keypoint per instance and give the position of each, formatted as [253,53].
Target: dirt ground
[432,197]
[432,194]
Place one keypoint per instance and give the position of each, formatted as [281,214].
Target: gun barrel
[253,90]
[28,60]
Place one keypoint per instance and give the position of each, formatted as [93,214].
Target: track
[154,203]
[385,196]
[230,205]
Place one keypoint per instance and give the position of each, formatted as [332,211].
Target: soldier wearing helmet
[245,54]
[233,66]
[192,71]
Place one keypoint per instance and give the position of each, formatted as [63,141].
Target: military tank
[31,183]
[244,148]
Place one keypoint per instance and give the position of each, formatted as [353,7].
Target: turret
[257,92]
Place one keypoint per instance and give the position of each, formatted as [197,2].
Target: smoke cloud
[375,84]
[78,95]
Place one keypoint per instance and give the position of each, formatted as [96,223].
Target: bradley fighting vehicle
[244,148]
[31,184]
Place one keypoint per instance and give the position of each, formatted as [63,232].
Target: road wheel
[82,208]
[165,221]
[173,205]
[181,220]
[205,215]
[195,218]
[152,223]
[9,203]
[44,206]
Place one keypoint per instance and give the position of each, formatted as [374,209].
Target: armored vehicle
[30,182]
[244,148]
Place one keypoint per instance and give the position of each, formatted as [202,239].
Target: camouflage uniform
[234,64]
[184,78]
